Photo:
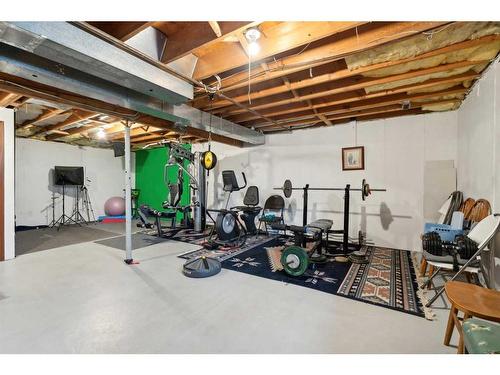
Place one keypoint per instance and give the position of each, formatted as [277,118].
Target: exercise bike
[233,225]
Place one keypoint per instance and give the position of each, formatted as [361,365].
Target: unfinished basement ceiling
[306,74]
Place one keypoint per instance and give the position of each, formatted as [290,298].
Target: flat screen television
[68,175]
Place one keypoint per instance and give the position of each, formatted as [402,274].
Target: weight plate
[226,227]
[287,188]
[320,259]
[294,260]
[228,223]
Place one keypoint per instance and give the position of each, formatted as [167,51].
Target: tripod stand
[53,205]
[77,215]
[63,219]
[87,204]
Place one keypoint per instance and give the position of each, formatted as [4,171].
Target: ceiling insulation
[441,107]
[419,79]
[478,53]
[423,42]
[440,97]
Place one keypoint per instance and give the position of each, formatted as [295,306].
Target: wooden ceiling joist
[356,85]
[121,30]
[40,91]
[343,73]
[45,115]
[353,97]
[72,131]
[7,98]
[277,38]
[367,104]
[373,36]
[365,112]
[184,38]
[75,117]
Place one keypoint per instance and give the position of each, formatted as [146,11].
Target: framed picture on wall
[353,158]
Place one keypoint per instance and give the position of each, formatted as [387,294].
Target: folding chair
[272,213]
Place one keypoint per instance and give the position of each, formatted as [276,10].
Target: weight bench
[295,259]
[313,230]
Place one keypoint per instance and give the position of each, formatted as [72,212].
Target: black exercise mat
[30,241]
[139,240]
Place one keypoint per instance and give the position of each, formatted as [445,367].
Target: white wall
[7,116]
[395,154]
[479,140]
[479,145]
[35,159]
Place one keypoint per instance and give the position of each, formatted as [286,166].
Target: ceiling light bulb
[101,134]
[253,48]
[252,34]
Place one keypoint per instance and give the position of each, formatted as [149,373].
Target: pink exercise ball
[115,206]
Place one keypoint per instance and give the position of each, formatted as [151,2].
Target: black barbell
[365,189]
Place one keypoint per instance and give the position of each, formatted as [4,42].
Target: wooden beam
[368,36]
[352,97]
[20,102]
[121,30]
[185,38]
[277,37]
[45,92]
[361,84]
[410,112]
[362,113]
[45,115]
[72,131]
[216,28]
[366,104]
[344,73]
[138,132]
[152,138]
[75,117]
[8,98]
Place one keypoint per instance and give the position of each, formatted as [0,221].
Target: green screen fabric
[149,166]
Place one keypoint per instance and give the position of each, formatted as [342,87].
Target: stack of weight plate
[358,257]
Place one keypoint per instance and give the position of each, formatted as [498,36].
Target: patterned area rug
[387,280]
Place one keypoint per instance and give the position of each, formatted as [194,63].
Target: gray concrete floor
[83,298]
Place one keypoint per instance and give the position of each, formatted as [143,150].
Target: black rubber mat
[30,241]
[139,240]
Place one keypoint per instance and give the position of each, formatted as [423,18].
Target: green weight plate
[294,260]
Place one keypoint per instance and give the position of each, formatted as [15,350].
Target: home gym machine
[198,164]
[295,262]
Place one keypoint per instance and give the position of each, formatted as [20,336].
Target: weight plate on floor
[318,259]
[294,260]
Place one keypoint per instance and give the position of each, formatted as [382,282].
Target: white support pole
[128,198]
